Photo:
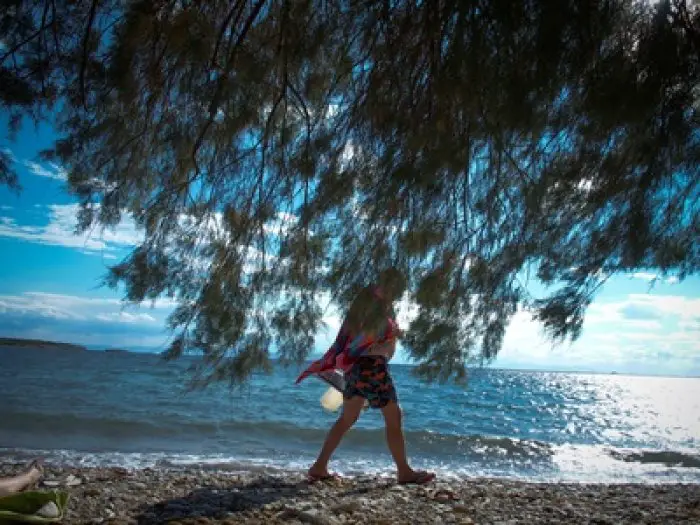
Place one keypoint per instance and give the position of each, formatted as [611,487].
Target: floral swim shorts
[369,377]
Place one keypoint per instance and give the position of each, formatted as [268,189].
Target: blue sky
[50,289]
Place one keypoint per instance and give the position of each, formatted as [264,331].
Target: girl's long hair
[368,313]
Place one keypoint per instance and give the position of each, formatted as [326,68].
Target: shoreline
[189,496]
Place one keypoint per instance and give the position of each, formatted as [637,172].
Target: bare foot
[318,473]
[417,477]
[315,474]
[35,472]
[20,482]
[318,470]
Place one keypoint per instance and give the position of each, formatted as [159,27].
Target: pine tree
[277,153]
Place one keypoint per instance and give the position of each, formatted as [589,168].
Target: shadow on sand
[222,501]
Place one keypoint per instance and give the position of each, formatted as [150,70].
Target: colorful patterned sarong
[347,349]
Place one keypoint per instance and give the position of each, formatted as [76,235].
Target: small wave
[669,458]
[579,464]
[478,445]
[114,433]
[170,441]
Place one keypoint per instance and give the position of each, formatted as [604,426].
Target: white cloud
[656,331]
[281,224]
[26,305]
[9,153]
[76,301]
[667,304]
[68,300]
[60,231]
[642,311]
[524,339]
[61,222]
[645,276]
[654,277]
[51,170]
[77,308]
[126,317]
[691,325]
[53,305]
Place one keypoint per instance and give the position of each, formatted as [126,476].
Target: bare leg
[397,445]
[351,411]
[12,484]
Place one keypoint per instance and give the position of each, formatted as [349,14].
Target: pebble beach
[117,496]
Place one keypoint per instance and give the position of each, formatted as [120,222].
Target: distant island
[39,344]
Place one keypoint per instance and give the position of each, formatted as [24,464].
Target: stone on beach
[195,497]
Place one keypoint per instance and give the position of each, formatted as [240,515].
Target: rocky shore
[193,496]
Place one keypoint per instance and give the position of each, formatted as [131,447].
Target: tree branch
[86,41]
[226,23]
[214,105]
[31,37]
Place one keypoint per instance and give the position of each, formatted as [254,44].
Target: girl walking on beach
[362,349]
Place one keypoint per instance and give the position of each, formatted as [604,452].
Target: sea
[135,410]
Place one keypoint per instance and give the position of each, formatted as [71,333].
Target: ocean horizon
[133,410]
[520,367]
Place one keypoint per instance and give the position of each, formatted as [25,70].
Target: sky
[50,288]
